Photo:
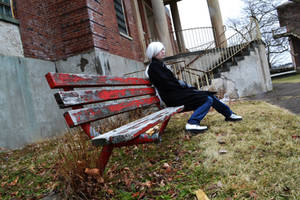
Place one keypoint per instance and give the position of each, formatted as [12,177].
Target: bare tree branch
[265,11]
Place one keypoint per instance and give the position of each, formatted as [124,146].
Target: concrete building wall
[99,62]
[250,77]
[28,109]
[29,112]
[10,40]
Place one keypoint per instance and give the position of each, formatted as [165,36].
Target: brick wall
[289,16]
[56,29]
[295,44]
[35,28]
[113,41]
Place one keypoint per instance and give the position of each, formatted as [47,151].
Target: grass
[262,162]
[288,79]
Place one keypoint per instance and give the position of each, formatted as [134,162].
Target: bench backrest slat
[81,97]
[84,115]
[63,80]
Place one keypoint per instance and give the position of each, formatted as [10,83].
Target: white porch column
[177,26]
[161,23]
[140,26]
[217,23]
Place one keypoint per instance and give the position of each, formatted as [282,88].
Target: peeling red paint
[60,80]
[129,134]
[92,96]
[99,112]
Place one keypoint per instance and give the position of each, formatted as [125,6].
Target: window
[121,18]
[5,10]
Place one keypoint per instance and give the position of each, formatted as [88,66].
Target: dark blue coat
[170,90]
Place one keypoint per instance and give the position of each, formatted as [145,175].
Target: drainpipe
[177,26]
[217,23]
[161,23]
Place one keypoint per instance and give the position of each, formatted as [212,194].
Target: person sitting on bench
[174,92]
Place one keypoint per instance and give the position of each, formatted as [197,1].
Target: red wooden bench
[101,93]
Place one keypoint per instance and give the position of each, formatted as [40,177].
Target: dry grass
[263,152]
[262,162]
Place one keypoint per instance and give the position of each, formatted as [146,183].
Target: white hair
[153,49]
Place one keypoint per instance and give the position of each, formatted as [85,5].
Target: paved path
[286,95]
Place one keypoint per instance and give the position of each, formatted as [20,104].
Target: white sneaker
[234,117]
[194,128]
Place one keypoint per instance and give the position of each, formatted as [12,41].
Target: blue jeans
[202,110]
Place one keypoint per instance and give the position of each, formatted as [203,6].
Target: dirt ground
[285,95]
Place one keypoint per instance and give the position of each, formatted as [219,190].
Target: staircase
[201,63]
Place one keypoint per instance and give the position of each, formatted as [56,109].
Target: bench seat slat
[63,80]
[133,129]
[84,115]
[80,97]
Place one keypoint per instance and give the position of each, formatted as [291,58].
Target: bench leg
[89,130]
[164,125]
[104,157]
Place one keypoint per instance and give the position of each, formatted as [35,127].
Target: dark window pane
[7,2]
[5,8]
[8,12]
[120,16]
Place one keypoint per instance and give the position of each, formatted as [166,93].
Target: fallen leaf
[201,195]
[135,194]
[253,194]
[92,172]
[127,181]
[148,184]
[152,130]
[166,165]
[168,170]
[13,183]
[162,183]
[295,136]
[3,184]
[110,191]
[126,168]
[100,179]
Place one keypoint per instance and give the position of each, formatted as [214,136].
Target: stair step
[246,51]
[239,58]
[224,68]
[217,75]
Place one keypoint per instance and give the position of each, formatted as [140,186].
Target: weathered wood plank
[133,129]
[81,97]
[63,80]
[84,115]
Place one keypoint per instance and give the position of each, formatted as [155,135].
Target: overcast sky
[194,13]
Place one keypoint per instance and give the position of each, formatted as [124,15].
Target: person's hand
[184,84]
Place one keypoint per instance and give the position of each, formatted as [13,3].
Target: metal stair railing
[210,58]
[218,56]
